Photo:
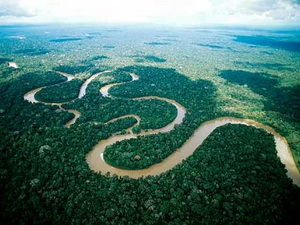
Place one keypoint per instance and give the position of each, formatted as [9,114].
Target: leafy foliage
[234,177]
[156,43]
[63,92]
[4,60]
[293,46]
[32,51]
[65,39]
[149,58]
[154,113]
[285,100]
[72,69]
[158,82]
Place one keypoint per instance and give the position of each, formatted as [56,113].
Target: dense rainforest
[169,84]
[154,113]
[283,100]
[63,92]
[234,177]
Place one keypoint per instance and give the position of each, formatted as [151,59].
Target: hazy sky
[172,12]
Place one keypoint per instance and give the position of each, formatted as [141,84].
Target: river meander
[97,163]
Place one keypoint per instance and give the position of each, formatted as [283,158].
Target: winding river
[97,163]
[30,96]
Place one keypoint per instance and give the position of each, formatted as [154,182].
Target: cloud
[260,12]
[174,12]
[15,8]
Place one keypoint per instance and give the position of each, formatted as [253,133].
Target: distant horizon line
[241,26]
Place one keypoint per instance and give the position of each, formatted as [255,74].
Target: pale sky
[169,12]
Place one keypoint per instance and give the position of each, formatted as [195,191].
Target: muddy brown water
[97,163]
[30,96]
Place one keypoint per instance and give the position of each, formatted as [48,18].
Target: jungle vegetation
[149,58]
[286,100]
[154,113]
[158,82]
[293,46]
[156,43]
[272,66]
[66,39]
[234,177]
[63,92]
[32,51]
[4,60]
[108,46]
[209,46]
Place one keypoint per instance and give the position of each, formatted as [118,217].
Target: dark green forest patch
[20,112]
[6,72]
[154,113]
[238,172]
[170,39]
[99,57]
[285,100]
[108,46]
[212,46]
[113,30]
[63,92]
[94,33]
[65,39]
[196,96]
[271,66]
[89,61]
[269,41]
[267,53]
[72,69]
[154,43]
[148,58]
[209,46]
[32,51]
[4,60]
[234,177]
